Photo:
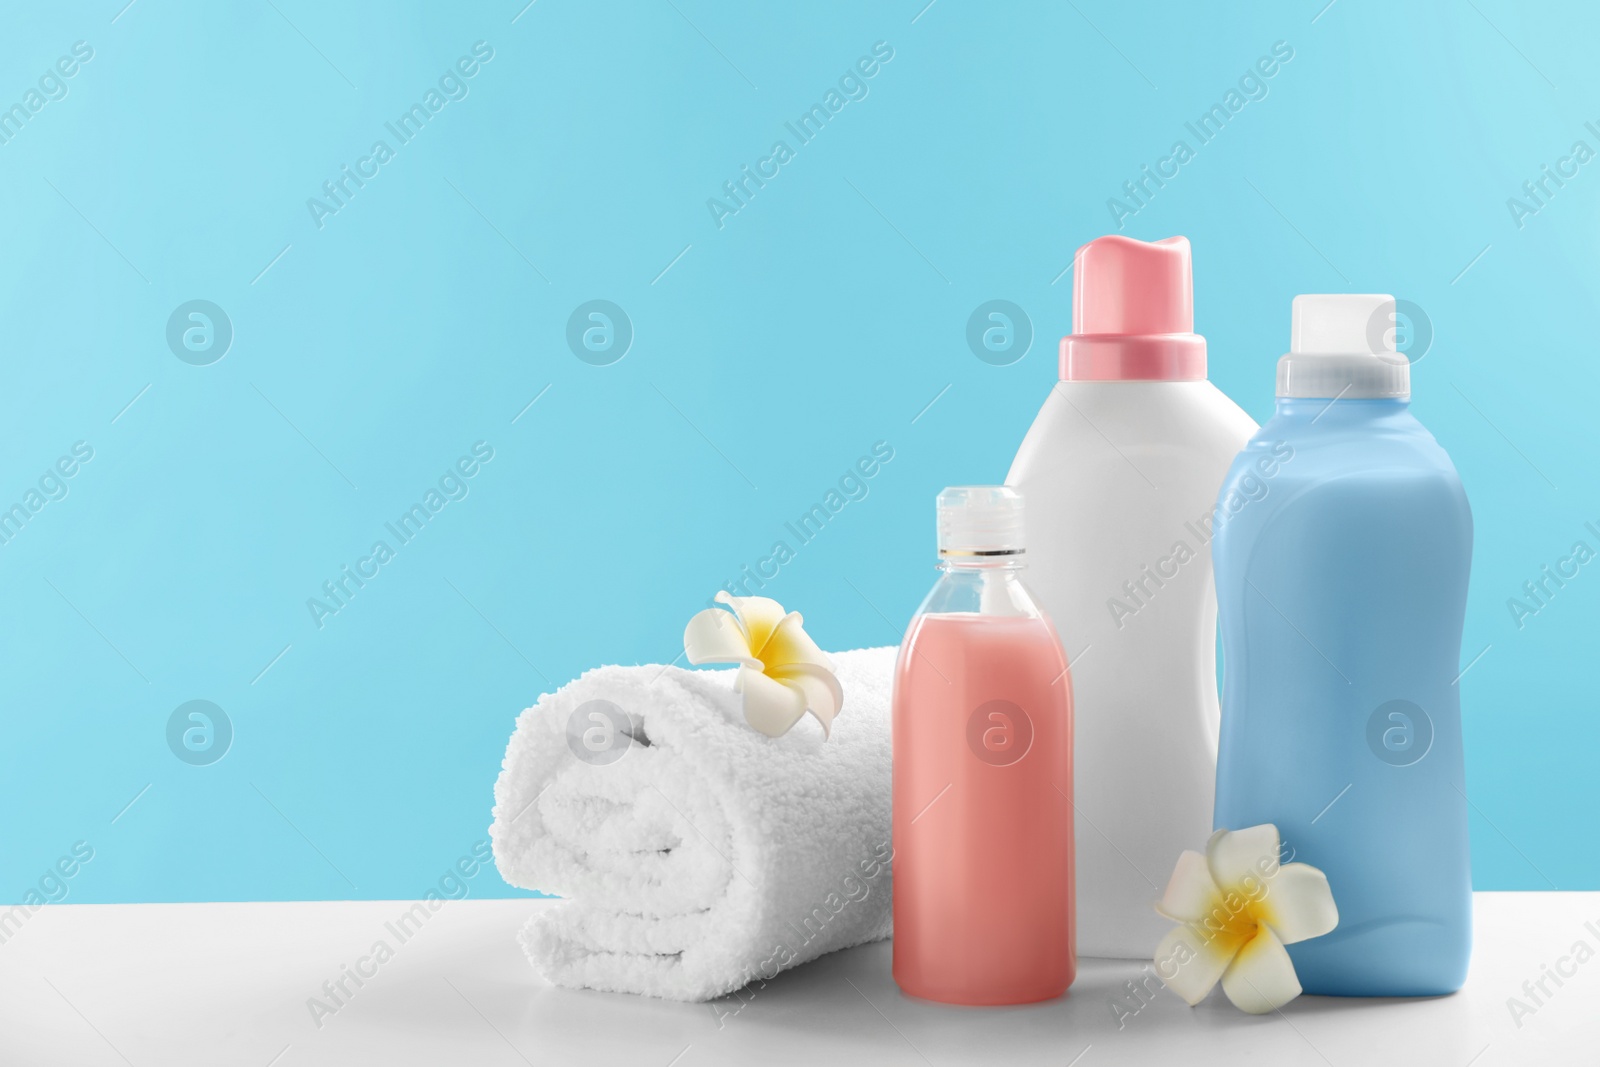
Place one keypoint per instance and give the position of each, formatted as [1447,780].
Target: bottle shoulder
[1298,481]
[990,591]
[1160,409]
[1087,431]
[1395,445]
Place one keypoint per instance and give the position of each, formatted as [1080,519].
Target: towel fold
[696,855]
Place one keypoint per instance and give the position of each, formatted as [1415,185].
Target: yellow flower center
[1231,922]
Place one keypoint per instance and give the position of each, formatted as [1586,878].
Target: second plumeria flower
[1239,906]
[782,672]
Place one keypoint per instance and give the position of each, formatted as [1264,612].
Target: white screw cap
[1341,346]
[980,520]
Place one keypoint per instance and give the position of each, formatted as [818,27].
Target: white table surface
[228,984]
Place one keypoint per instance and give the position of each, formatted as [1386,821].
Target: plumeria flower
[782,672]
[1239,906]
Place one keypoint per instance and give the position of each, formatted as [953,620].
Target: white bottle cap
[980,520]
[1342,346]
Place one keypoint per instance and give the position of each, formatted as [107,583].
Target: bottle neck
[1330,410]
[969,564]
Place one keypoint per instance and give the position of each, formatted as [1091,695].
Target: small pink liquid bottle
[982,719]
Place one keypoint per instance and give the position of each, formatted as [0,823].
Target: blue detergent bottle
[1342,545]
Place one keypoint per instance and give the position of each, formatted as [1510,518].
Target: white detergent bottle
[1121,471]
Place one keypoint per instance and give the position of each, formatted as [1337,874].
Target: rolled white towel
[696,855]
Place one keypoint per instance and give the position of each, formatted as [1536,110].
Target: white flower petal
[758,615]
[1190,963]
[1261,976]
[771,706]
[1243,859]
[715,636]
[1298,904]
[822,691]
[1192,893]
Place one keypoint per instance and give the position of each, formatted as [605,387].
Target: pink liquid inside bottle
[983,856]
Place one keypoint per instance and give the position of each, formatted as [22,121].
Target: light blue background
[769,355]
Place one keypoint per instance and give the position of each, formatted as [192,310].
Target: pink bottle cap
[1133,313]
